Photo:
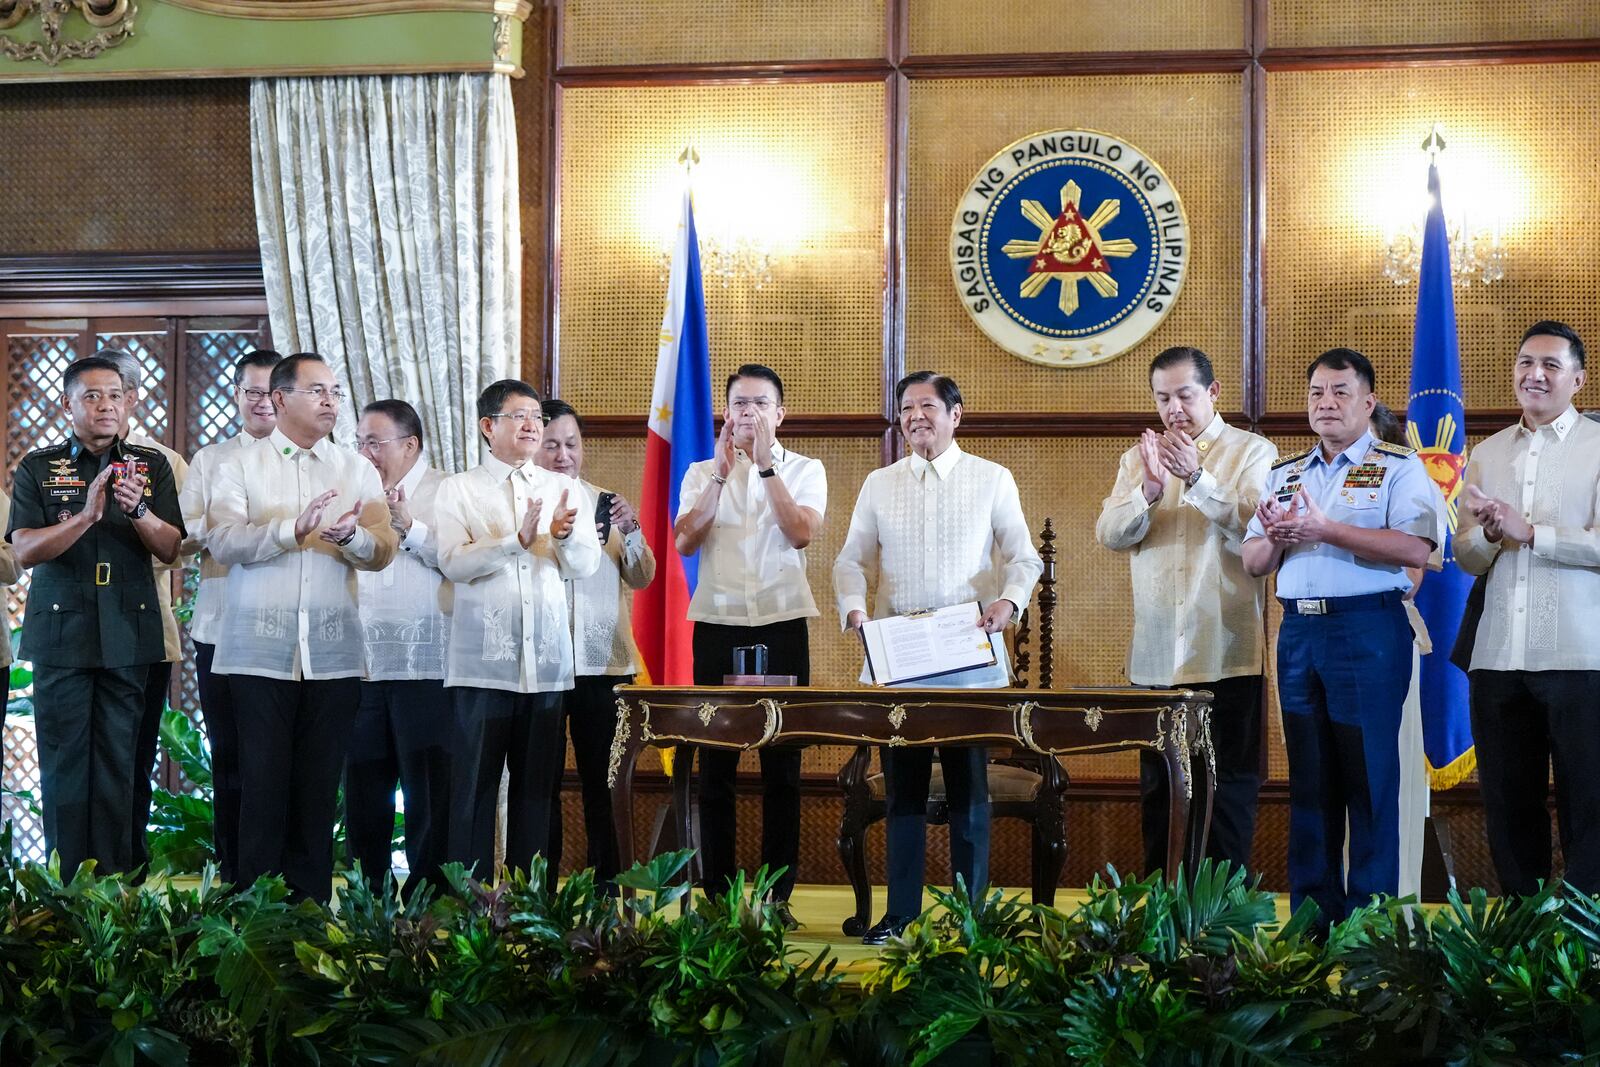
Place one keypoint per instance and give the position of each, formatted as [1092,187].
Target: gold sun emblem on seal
[1069,248]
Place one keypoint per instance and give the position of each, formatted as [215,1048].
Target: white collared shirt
[292,608]
[9,571]
[1541,610]
[601,604]
[509,629]
[750,575]
[194,499]
[931,535]
[1196,613]
[171,642]
[405,608]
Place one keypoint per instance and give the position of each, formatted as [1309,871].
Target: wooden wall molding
[311,10]
[130,278]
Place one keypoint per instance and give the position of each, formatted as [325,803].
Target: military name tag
[1366,476]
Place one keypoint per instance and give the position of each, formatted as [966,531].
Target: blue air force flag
[1435,426]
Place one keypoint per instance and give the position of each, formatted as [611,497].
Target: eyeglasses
[256,396]
[317,392]
[520,416]
[367,444]
[740,403]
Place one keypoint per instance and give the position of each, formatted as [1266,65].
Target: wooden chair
[1022,785]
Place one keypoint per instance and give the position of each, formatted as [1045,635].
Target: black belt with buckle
[102,574]
[1339,605]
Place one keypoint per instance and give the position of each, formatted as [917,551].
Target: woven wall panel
[1292,23]
[1343,148]
[126,167]
[799,166]
[1191,124]
[530,98]
[958,27]
[606,33]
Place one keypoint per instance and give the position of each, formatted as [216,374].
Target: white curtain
[390,239]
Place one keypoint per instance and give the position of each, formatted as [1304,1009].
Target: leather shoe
[886,927]
[785,916]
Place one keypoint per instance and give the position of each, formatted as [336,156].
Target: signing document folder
[937,647]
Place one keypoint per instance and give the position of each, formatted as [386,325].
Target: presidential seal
[1069,247]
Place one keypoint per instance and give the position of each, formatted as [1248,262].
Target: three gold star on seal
[1069,248]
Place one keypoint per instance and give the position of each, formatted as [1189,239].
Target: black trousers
[590,711]
[295,734]
[906,774]
[1236,737]
[87,723]
[222,734]
[403,732]
[1523,723]
[495,731]
[788,652]
[156,685]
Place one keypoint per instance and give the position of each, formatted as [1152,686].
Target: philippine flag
[680,433]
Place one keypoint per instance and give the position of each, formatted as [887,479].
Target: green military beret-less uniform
[95,604]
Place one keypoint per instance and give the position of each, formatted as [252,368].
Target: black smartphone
[602,514]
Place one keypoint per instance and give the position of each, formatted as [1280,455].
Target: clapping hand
[623,517]
[1178,454]
[399,510]
[95,506]
[561,522]
[1500,521]
[344,527]
[311,517]
[128,490]
[1155,473]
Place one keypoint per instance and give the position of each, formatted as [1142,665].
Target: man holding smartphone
[603,656]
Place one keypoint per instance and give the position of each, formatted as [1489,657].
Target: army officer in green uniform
[87,516]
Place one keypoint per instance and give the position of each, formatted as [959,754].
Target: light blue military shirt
[1371,484]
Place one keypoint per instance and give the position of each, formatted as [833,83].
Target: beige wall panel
[959,27]
[1191,124]
[799,166]
[1306,23]
[1344,168]
[607,33]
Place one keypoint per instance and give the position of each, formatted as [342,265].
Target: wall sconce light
[727,254]
[113,19]
[1477,255]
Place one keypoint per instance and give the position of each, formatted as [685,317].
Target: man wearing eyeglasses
[295,516]
[252,375]
[508,537]
[750,511]
[403,727]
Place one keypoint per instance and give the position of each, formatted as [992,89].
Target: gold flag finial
[1433,144]
[689,158]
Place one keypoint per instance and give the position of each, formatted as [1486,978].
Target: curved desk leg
[625,745]
[1178,785]
[1205,787]
[683,812]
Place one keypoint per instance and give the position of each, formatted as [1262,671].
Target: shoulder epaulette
[1286,460]
[145,449]
[59,446]
[1394,450]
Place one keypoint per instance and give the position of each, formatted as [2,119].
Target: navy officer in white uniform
[1340,523]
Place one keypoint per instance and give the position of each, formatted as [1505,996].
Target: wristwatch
[1193,478]
[719,479]
[351,536]
[140,511]
[770,472]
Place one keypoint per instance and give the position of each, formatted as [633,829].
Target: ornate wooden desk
[1052,722]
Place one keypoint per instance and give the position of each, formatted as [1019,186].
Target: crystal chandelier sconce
[1477,254]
